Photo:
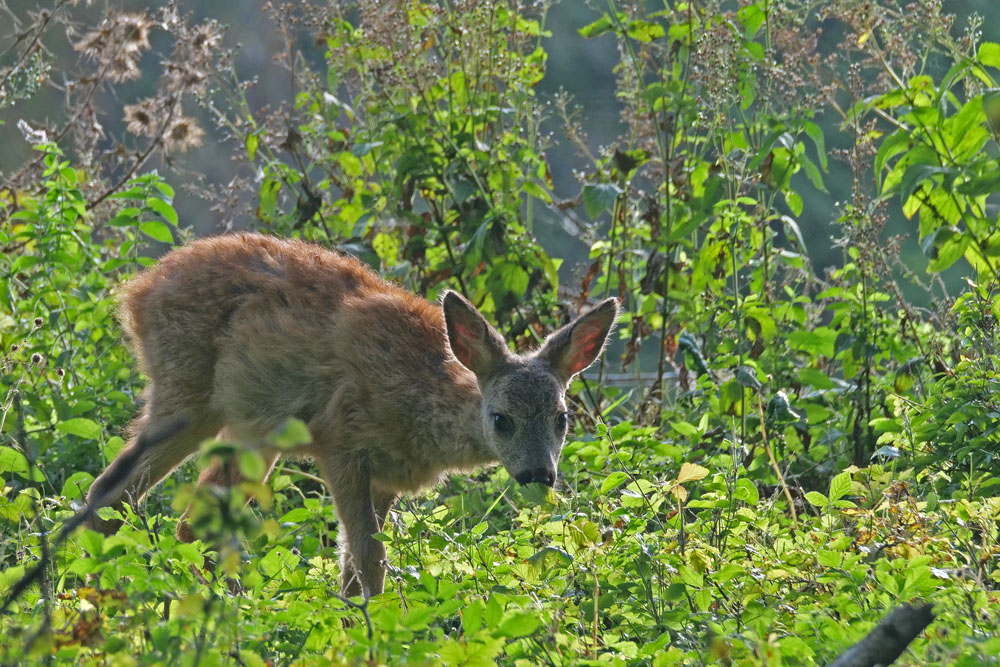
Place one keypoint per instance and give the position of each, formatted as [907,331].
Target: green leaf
[747,377]
[472,617]
[840,486]
[277,559]
[520,624]
[251,145]
[165,210]
[814,132]
[888,581]
[598,27]
[944,246]
[613,481]
[896,143]
[297,515]
[493,613]
[989,54]
[794,201]
[915,581]
[780,411]
[915,174]
[819,341]
[828,558]
[746,491]
[817,499]
[168,192]
[418,618]
[644,31]
[290,434]
[984,184]
[599,197]
[189,553]
[812,173]
[687,343]
[157,231]
[13,461]
[252,465]
[545,554]
[753,18]
[80,427]
[685,429]
[690,576]
[76,484]
[92,542]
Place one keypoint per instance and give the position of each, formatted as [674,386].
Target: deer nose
[546,476]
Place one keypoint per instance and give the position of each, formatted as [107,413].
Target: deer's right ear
[475,343]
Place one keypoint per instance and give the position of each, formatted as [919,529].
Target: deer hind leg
[222,473]
[160,443]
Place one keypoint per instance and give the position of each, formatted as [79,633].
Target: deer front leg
[362,557]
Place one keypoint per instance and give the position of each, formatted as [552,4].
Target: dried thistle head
[204,40]
[118,44]
[134,30]
[140,118]
[183,134]
[94,43]
[182,77]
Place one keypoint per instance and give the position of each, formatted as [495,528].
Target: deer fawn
[239,333]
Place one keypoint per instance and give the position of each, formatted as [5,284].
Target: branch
[889,638]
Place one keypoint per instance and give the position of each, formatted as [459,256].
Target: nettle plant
[416,145]
[730,111]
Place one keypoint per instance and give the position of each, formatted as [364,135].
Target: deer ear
[472,340]
[576,345]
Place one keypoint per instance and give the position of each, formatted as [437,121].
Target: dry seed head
[95,43]
[135,31]
[204,39]
[60,372]
[140,119]
[14,347]
[123,68]
[39,322]
[117,44]
[36,358]
[183,77]
[182,135]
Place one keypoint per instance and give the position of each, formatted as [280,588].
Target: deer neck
[456,423]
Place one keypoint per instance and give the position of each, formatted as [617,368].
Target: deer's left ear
[575,346]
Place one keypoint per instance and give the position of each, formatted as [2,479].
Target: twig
[128,462]
[774,463]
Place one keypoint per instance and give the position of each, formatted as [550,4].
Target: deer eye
[502,424]
[561,422]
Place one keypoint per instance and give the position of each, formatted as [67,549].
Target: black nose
[545,476]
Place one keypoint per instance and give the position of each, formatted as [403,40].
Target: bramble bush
[796,452]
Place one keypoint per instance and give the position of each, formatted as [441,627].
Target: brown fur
[242,332]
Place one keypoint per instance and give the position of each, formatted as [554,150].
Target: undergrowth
[770,459]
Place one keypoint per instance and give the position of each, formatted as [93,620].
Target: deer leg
[362,568]
[221,473]
[159,444]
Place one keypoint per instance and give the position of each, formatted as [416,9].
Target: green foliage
[799,452]
[422,153]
